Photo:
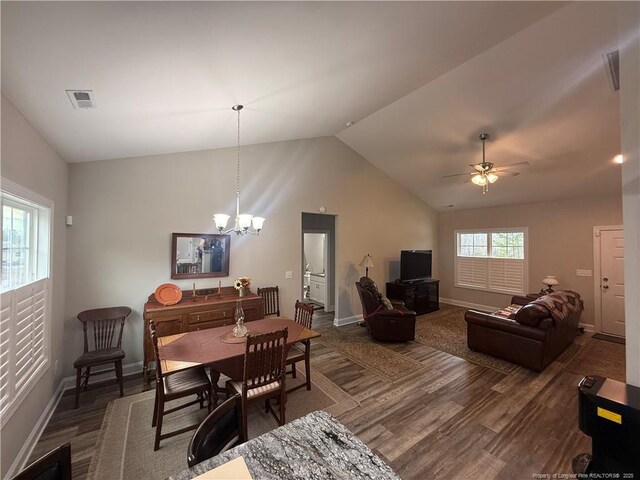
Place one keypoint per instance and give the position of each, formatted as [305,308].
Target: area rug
[125,445]
[356,345]
[446,330]
[600,357]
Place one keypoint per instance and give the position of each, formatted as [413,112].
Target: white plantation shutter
[506,275]
[5,347]
[471,272]
[23,342]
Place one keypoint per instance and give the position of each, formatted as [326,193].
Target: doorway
[318,262]
[609,280]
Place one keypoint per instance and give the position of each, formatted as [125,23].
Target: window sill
[489,290]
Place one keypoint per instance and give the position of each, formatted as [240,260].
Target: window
[492,260]
[25,293]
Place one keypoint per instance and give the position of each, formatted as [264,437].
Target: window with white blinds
[492,260]
[25,299]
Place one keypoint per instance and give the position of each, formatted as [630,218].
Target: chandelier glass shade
[245,223]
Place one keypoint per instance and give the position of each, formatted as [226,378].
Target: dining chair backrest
[304,313]
[221,430]
[271,296]
[104,325]
[264,360]
[154,341]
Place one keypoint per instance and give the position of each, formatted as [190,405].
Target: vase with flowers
[243,285]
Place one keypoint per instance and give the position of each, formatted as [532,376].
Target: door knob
[605,286]
[605,279]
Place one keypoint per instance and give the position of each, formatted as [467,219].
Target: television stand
[421,296]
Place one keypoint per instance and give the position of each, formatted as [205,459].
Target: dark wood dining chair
[271,296]
[104,324]
[220,431]
[172,386]
[55,465]
[303,316]
[264,374]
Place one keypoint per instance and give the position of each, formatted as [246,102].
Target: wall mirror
[199,255]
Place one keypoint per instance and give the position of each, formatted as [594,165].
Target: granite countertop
[316,446]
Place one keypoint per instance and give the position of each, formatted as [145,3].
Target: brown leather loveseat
[392,322]
[540,331]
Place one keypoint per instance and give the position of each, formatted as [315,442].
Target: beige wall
[629,25]
[125,211]
[30,162]
[560,241]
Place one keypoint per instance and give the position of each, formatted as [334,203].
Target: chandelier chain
[238,159]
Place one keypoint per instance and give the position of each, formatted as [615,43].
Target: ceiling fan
[485,173]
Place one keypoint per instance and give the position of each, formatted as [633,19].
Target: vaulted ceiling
[420,79]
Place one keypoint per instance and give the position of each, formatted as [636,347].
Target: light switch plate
[288,274]
[584,273]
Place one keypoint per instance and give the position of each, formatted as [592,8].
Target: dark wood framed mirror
[200,255]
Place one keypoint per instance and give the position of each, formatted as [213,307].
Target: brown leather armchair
[391,325]
[533,339]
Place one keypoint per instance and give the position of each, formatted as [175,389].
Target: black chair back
[221,430]
[55,465]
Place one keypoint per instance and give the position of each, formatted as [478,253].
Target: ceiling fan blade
[512,164]
[504,173]
[459,174]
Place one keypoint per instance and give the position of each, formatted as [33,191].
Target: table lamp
[367,262]
[549,281]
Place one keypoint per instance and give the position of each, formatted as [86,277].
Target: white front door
[612,281]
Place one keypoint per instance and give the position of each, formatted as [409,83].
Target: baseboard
[339,322]
[127,369]
[27,448]
[588,327]
[474,306]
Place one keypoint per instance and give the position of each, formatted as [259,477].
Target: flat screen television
[415,265]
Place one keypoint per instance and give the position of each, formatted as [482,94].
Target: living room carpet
[125,444]
[446,330]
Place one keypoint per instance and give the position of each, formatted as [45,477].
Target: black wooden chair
[271,296]
[104,324]
[221,430]
[55,465]
[304,316]
[264,374]
[173,386]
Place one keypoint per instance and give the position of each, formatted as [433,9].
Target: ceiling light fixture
[244,221]
[484,176]
[619,159]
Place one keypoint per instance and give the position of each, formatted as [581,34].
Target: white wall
[629,24]
[29,161]
[560,241]
[125,211]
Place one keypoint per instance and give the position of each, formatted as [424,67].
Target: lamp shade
[480,180]
[244,220]
[550,281]
[258,222]
[492,177]
[367,261]
[221,220]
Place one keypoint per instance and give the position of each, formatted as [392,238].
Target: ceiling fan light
[492,177]
[479,180]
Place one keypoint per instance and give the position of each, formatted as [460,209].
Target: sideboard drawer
[210,315]
[213,324]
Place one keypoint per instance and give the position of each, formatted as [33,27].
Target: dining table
[217,348]
[313,447]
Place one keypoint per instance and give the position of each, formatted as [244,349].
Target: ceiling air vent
[612,66]
[82,98]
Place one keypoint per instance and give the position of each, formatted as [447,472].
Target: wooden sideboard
[208,310]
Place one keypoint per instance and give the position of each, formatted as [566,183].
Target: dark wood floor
[455,420]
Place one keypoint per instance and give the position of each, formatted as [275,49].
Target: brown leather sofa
[397,324]
[533,339]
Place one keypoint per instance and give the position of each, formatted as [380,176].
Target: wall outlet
[584,273]
[288,274]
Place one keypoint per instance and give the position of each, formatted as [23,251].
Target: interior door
[612,281]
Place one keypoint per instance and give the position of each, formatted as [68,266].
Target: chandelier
[245,223]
